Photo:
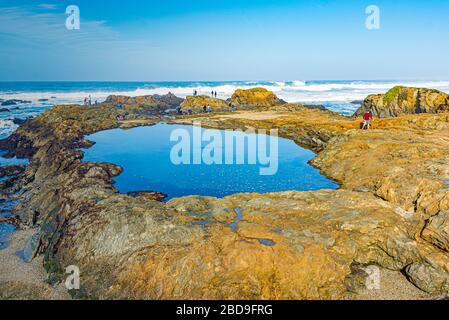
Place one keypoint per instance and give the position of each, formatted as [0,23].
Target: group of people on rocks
[366,123]
[121,117]
[213,93]
[88,101]
[207,109]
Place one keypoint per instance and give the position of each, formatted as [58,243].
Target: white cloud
[24,24]
[48,6]
[37,45]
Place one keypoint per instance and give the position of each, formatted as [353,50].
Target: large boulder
[437,230]
[145,104]
[197,103]
[405,100]
[255,98]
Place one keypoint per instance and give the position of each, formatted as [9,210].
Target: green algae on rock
[405,100]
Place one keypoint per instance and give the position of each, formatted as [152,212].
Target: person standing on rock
[215,94]
[367,118]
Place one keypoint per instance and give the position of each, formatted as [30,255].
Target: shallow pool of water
[145,155]
[6,230]
[12,161]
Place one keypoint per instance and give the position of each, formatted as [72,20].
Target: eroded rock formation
[404,100]
[254,99]
[391,211]
[145,104]
[197,104]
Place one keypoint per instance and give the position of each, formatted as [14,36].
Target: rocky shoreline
[391,210]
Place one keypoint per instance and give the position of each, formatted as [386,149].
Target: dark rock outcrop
[19,121]
[14,102]
[9,171]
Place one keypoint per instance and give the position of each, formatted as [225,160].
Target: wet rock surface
[287,245]
[9,171]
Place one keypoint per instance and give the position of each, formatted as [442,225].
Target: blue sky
[224,40]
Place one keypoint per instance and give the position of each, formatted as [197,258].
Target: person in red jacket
[367,118]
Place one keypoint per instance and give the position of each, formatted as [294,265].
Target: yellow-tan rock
[255,98]
[197,104]
[390,211]
[405,100]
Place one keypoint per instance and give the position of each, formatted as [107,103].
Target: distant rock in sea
[14,102]
[357,102]
[19,121]
[405,100]
[43,100]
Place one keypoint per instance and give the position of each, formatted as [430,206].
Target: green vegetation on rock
[405,100]
[392,94]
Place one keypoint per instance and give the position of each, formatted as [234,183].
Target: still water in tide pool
[144,155]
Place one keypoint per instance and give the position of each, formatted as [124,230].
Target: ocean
[335,95]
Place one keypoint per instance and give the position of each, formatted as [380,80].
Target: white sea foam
[290,91]
[336,95]
[6,127]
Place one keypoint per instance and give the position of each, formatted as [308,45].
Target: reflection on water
[144,154]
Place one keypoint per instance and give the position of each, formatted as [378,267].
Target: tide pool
[144,155]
